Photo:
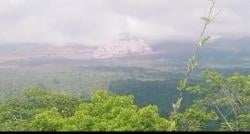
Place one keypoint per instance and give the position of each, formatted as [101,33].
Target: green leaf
[194,62]
[194,88]
[206,19]
[172,126]
[177,105]
[203,41]
[181,85]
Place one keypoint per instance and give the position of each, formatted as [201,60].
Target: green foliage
[181,85]
[203,41]
[16,112]
[225,91]
[117,113]
[228,98]
[48,120]
[102,112]
[41,99]
[160,93]
[193,61]
[243,121]
[17,125]
[12,110]
[194,118]
[193,88]
[224,101]
[206,19]
[177,105]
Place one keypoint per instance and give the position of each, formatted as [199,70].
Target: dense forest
[160,93]
[224,105]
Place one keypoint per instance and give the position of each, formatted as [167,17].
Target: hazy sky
[92,22]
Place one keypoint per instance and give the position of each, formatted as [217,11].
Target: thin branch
[209,16]
[216,14]
[201,36]
[229,113]
[189,70]
[225,119]
[232,104]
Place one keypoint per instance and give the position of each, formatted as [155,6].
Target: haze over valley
[143,48]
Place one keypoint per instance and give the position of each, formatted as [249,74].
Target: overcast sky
[92,22]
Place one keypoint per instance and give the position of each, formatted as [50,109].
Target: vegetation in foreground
[223,105]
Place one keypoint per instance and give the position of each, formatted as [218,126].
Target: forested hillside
[224,101]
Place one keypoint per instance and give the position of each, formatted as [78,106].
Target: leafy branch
[193,61]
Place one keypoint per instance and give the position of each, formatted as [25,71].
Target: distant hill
[223,50]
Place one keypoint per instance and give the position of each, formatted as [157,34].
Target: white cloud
[92,22]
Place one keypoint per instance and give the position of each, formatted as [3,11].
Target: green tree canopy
[41,110]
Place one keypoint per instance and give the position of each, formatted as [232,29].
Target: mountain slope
[124,45]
